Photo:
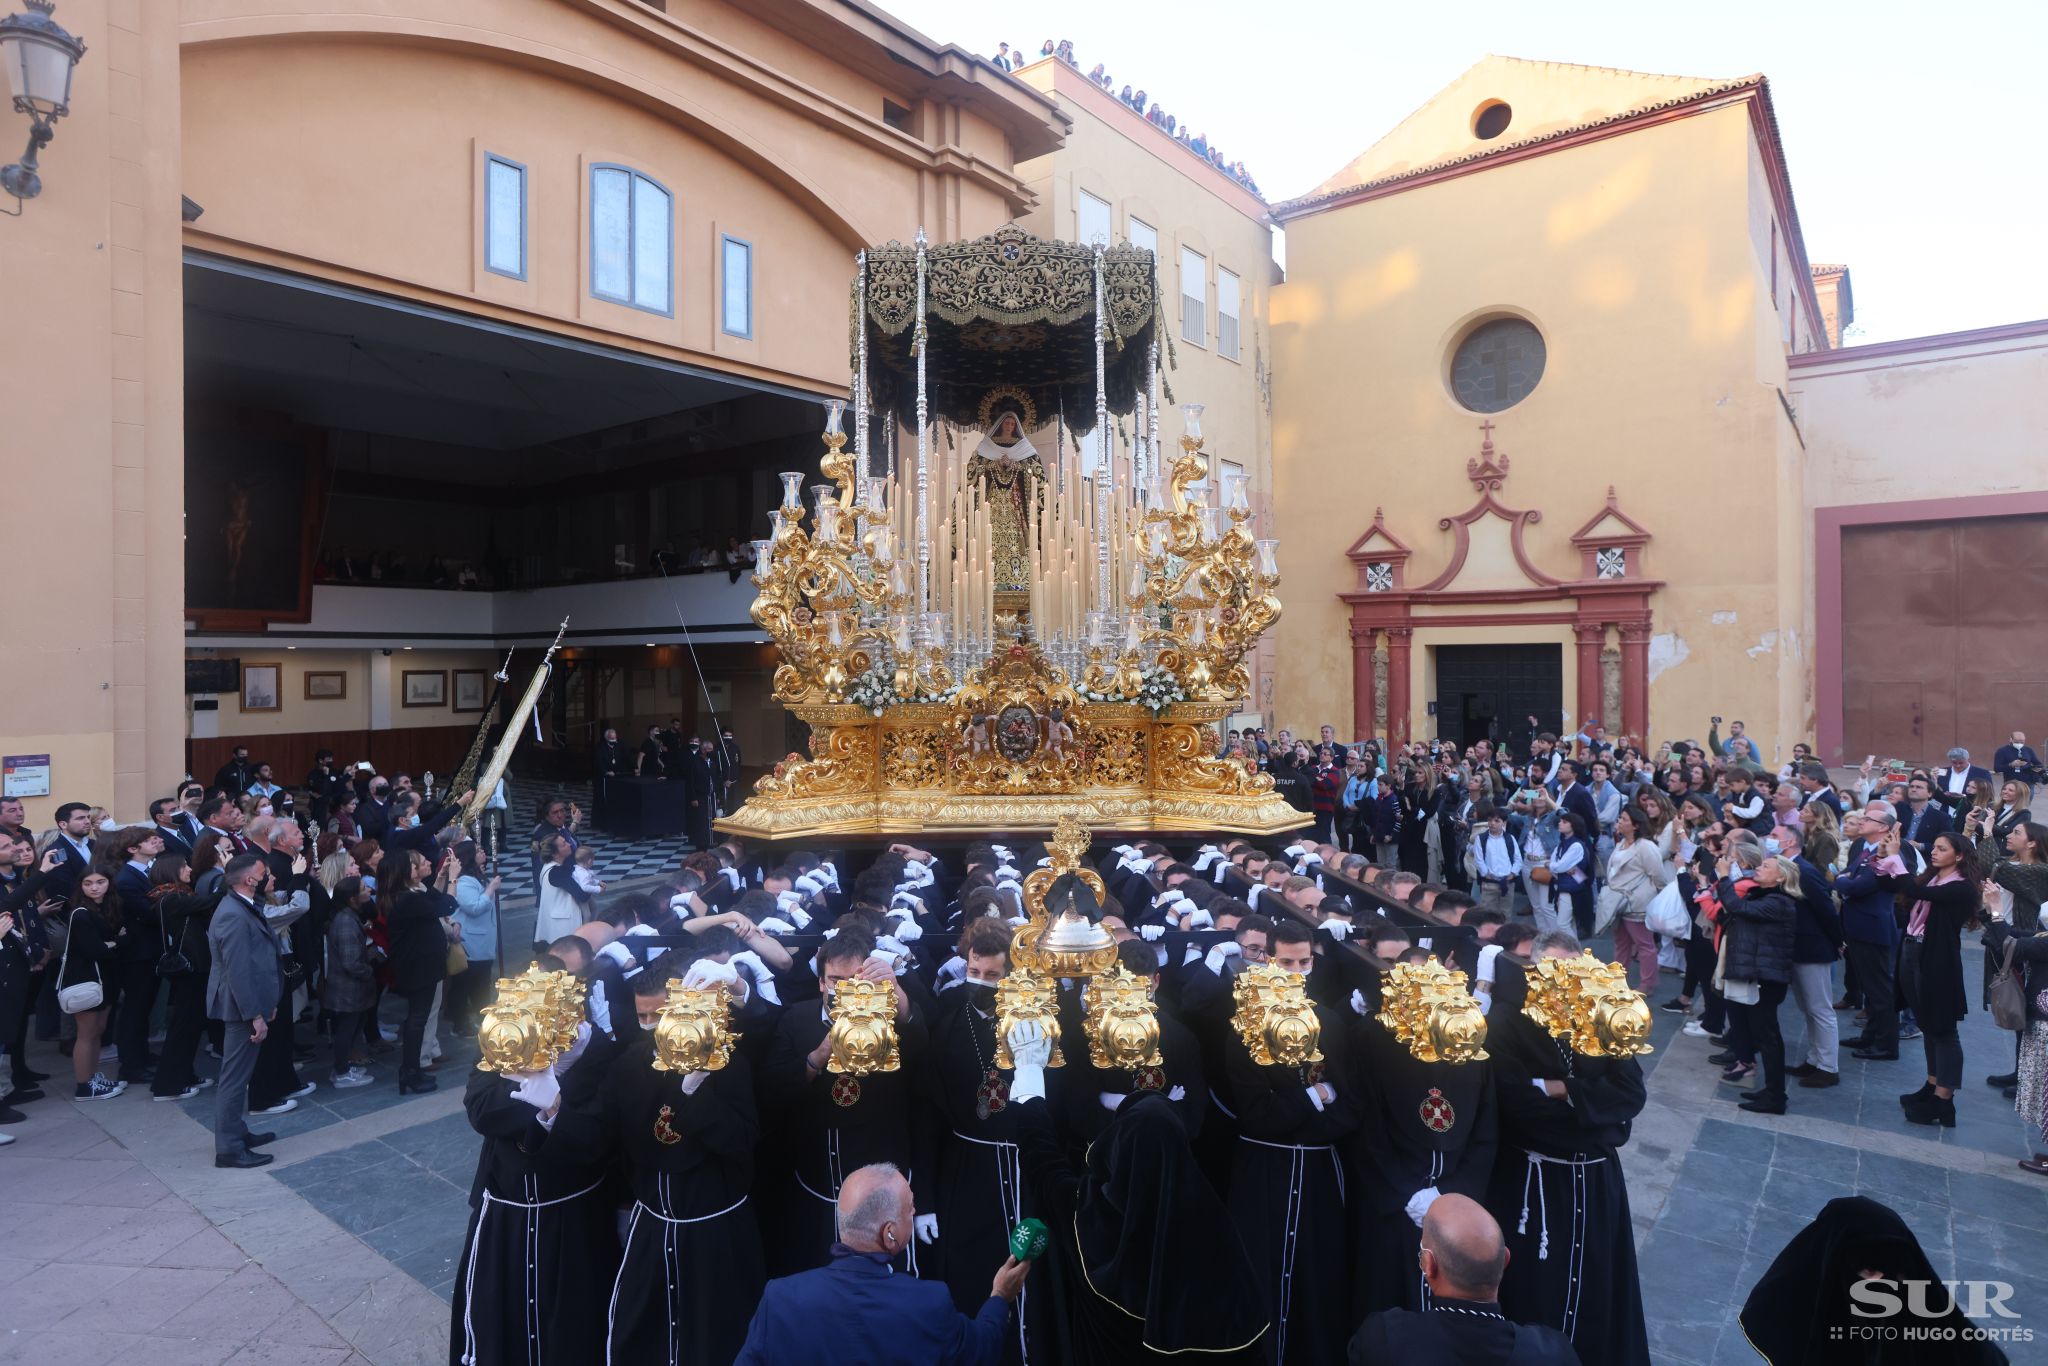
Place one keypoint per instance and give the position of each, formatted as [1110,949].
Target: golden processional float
[1034,615]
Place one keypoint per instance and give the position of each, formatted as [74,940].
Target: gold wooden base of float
[1016,752]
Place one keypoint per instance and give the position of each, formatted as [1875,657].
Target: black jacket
[1761,930]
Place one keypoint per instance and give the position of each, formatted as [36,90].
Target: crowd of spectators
[1746,883]
[394,569]
[1198,144]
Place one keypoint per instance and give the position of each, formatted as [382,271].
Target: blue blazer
[856,1308]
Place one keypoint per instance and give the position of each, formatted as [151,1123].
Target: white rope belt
[671,1219]
[1288,1147]
[491,1199]
[1542,1200]
[984,1142]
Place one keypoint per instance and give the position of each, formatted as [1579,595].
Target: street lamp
[38,56]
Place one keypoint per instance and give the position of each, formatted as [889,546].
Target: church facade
[1556,380]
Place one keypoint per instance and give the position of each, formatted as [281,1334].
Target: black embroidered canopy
[1009,309]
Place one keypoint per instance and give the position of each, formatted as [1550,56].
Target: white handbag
[79,997]
[1667,914]
[1607,908]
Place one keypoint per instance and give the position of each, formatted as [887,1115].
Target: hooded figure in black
[1800,1310]
[1557,1187]
[1425,1129]
[1141,1238]
[537,1263]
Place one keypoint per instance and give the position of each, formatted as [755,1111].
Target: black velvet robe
[1421,1124]
[692,1259]
[1559,1193]
[537,1261]
[818,1139]
[1287,1196]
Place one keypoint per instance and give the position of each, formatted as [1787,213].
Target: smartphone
[1869,759]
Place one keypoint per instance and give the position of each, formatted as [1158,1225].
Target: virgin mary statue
[1009,472]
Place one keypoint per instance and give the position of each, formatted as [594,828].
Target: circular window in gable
[1497,365]
[1491,120]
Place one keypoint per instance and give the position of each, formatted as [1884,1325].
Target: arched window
[632,239]
[1497,365]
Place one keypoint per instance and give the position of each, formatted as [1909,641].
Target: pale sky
[1913,132]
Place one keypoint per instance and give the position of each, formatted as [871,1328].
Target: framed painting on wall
[252,517]
[423,688]
[326,685]
[470,689]
[261,687]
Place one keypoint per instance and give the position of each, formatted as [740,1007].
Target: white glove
[1311,860]
[1031,1047]
[1419,1203]
[1177,1093]
[1221,954]
[1199,919]
[705,972]
[905,903]
[574,1050]
[1168,899]
[810,884]
[831,872]
[732,877]
[1223,866]
[801,916]
[1110,1099]
[757,975]
[1487,953]
[1337,929]
[951,973]
[1151,933]
[785,900]
[1294,851]
[1358,1006]
[1251,897]
[1001,851]
[890,947]
[908,930]
[694,1080]
[1193,955]
[926,1227]
[539,1089]
[1007,874]
[774,925]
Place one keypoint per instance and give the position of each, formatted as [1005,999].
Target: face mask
[981,994]
[1770,846]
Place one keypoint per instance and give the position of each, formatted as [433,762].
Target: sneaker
[308,1089]
[1909,1031]
[6,1139]
[1677,1006]
[353,1077]
[283,1107]
[99,1088]
[1694,1028]
[117,1086]
[185,1094]
[205,1082]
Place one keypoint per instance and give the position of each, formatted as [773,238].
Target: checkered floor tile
[617,859]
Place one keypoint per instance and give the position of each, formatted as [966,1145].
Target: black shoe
[1915,1097]
[1872,1055]
[1757,1094]
[1818,1079]
[258,1140]
[22,1095]
[1676,1006]
[2008,1079]
[417,1085]
[1846,1004]
[1935,1110]
[1764,1105]
[1804,1069]
[29,1077]
[244,1158]
[2010,1092]
[1721,1059]
[1860,1041]
[9,1115]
